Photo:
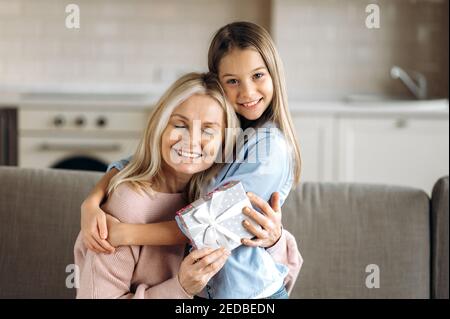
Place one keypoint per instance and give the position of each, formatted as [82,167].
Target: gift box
[215,220]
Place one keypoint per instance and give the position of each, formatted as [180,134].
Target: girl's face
[246,81]
[193,136]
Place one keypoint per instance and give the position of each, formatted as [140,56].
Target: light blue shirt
[263,165]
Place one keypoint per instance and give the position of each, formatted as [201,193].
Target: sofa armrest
[439,240]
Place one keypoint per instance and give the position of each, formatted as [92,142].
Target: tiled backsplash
[325,46]
[119,42]
[328,50]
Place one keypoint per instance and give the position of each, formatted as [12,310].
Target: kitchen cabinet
[396,149]
[399,150]
[315,136]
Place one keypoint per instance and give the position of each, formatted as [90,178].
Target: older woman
[189,120]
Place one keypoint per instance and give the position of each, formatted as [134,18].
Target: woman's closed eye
[209,131]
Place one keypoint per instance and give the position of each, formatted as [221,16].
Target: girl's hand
[199,266]
[116,236]
[94,228]
[269,220]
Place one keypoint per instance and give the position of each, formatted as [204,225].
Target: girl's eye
[179,126]
[232,81]
[258,75]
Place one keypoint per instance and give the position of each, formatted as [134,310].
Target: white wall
[327,49]
[119,42]
[325,46]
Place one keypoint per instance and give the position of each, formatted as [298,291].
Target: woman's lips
[187,154]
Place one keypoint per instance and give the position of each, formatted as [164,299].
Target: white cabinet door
[315,136]
[402,151]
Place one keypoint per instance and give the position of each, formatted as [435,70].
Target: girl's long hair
[246,35]
[144,168]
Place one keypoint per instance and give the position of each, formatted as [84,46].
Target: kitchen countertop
[82,97]
[76,101]
[433,108]
[137,101]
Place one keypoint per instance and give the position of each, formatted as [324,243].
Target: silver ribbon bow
[209,231]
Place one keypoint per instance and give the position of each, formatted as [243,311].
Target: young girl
[175,157]
[247,64]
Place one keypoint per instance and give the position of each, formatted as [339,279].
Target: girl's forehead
[240,61]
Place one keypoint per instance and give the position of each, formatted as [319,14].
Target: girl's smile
[252,104]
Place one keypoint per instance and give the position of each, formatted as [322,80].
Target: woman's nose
[194,137]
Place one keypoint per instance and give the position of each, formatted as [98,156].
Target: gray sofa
[340,230]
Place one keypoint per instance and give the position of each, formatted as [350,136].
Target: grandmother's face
[193,136]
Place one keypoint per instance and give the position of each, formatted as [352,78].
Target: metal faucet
[419,89]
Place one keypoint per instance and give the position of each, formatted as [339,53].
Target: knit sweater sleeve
[108,276]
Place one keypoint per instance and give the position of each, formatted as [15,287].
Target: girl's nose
[246,90]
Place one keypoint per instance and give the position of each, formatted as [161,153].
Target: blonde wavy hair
[144,168]
[247,35]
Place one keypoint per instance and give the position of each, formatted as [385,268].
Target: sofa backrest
[39,222]
[340,230]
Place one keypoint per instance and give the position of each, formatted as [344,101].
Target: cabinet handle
[80,147]
[401,123]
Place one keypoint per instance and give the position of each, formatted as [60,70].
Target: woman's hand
[199,266]
[269,220]
[94,228]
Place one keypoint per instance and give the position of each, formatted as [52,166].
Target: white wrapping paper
[216,219]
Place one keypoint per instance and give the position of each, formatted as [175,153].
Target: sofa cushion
[343,228]
[39,221]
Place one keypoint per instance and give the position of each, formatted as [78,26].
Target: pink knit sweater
[133,271]
[151,271]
